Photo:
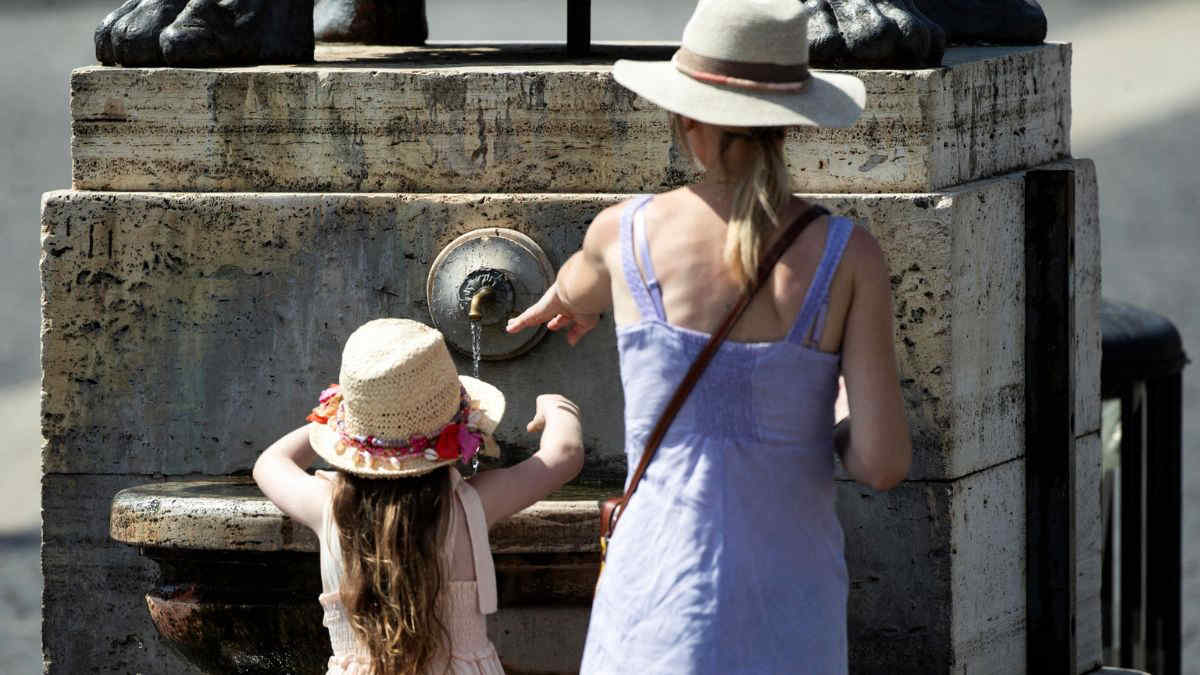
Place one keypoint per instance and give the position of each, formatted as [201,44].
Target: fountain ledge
[231,514]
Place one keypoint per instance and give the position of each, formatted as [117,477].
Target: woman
[729,556]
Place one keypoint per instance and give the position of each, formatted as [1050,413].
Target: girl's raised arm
[280,474]
[878,450]
[558,460]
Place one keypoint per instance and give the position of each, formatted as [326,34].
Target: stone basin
[238,584]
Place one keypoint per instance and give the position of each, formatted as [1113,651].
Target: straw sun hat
[400,408]
[745,63]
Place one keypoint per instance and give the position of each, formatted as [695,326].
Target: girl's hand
[552,311]
[554,407]
[558,459]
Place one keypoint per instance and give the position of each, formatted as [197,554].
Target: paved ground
[1137,113]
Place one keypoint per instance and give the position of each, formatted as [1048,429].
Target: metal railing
[1141,384]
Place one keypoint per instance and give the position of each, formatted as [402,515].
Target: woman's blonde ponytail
[758,198]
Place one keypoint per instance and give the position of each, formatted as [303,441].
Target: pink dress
[466,603]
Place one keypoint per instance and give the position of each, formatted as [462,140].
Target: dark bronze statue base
[376,22]
[873,34]
[914,33]
[998,22]
[206,33]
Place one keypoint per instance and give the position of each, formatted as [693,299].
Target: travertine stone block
[518,120]
[937,574]
[183,332]
[1089,562]
[94,616]
[539,639]
[1086,290]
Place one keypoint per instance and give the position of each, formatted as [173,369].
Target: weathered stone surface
[557,646]
[957,266]
[937,574]
[183,333]
[94,615]
[520,120]
[1086,289]
[218,514]
[231,514]
[1089,544]
[987,548]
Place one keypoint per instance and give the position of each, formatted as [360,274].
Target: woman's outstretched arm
[583,288]
[874,444]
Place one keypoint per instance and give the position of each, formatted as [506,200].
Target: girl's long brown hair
[759,195]
[391,533]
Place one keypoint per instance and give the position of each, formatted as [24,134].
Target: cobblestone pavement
[1137,112]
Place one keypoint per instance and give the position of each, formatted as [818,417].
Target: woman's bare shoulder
[864,256]
[605,229]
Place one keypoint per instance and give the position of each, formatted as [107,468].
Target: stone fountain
[227,228]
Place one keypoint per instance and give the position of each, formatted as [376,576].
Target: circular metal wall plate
[523,265]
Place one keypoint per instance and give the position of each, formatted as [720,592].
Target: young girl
[729,557]
[405,564]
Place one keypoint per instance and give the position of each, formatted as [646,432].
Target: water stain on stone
[872,162]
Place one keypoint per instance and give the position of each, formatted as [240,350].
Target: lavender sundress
[729,559]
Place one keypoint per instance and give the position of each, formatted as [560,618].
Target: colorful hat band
[459,439]
[742,74]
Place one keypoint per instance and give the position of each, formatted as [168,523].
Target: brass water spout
[475,313]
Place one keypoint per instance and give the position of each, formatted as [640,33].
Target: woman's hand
[552,311]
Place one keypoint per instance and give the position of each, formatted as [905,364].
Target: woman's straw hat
[400,408]
[745,63]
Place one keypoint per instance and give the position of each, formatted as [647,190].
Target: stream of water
[476,346]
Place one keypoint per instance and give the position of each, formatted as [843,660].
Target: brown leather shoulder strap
[765,266]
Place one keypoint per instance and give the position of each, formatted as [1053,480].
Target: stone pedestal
[183,330]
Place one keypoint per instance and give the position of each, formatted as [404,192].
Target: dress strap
[643,285]
[642,242]
[485,569]
[331,547]
[811,322]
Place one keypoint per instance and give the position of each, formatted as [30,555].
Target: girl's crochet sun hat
[400,408]
[744,63]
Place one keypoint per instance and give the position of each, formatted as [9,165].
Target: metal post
[1164,431]
[1133,463]
[1049,423]
[579,27]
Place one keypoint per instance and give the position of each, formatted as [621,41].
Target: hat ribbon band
[742,74]
[459,439]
